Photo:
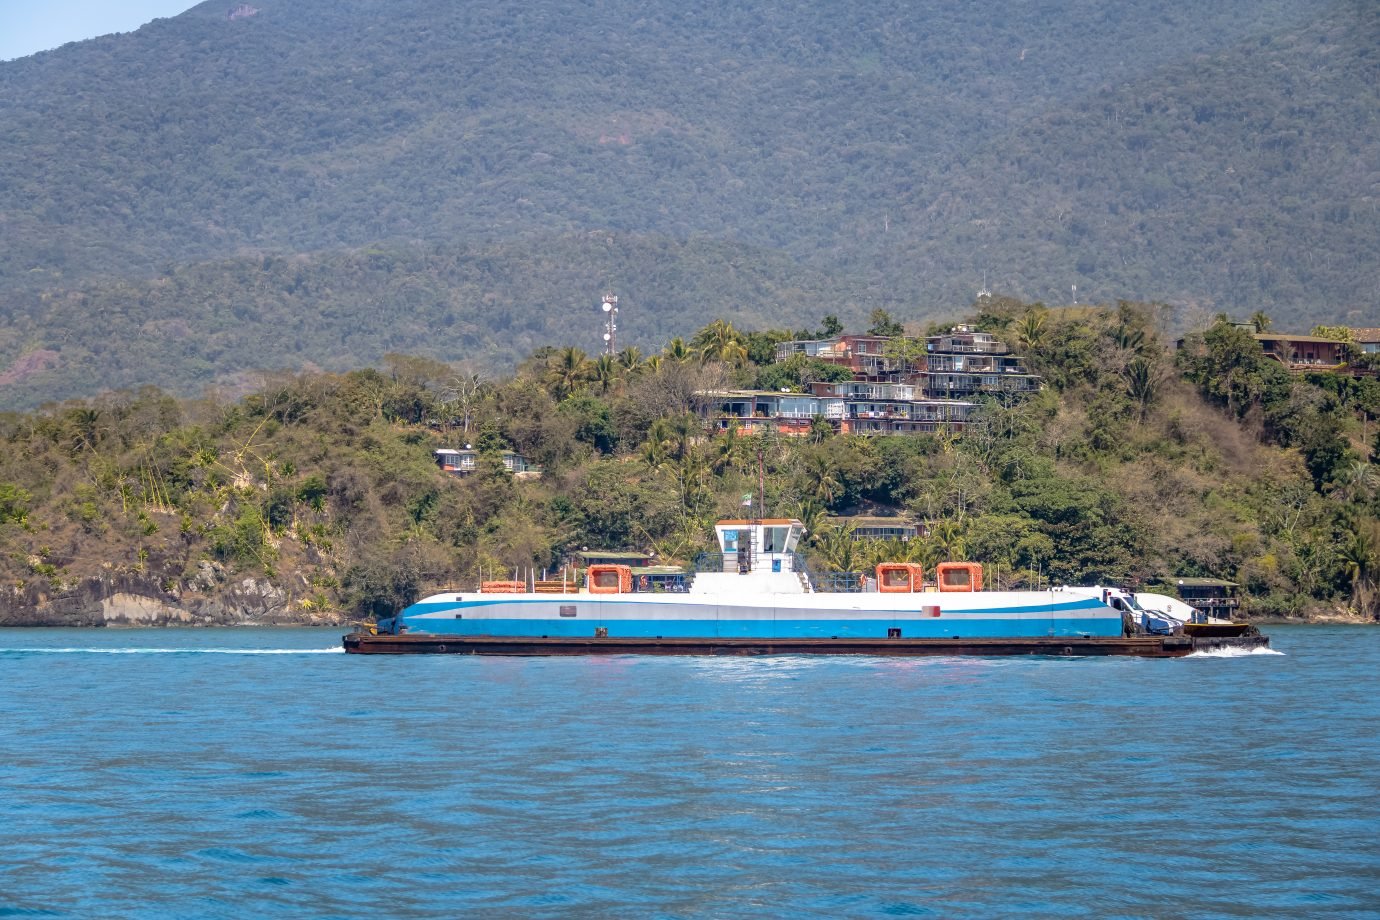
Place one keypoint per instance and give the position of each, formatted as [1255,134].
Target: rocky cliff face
[132,600]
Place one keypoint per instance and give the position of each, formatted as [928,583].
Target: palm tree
[630,359]
[1261,321]
[684,429]
[1357,480]
[891,550]
[947,537]
[926,551]
[811,513]
[727,449]
[1142,383]
[86,429]
[692,480]
[821,478]
[656,449]
[605,373]
[1360,555]
[1031,329]
[1128,338]
[719,341]
[839,550]
[569,369]
[677,350]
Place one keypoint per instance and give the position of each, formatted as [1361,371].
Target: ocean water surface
[263,773]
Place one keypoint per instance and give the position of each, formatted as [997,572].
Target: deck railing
[728,562]
[838,582]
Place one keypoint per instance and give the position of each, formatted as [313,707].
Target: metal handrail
[838,582]
[728,562]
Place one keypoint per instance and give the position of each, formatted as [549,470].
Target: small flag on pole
[747,500]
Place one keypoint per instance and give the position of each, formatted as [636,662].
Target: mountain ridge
[908,151]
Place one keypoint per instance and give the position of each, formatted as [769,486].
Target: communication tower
[610,308]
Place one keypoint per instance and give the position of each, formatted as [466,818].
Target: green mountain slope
[486,306]
[1220,154]
[1248,177]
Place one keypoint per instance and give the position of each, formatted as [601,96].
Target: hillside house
[1367,340]
[463,462]
[929,391]
[871,527]
[752,411]
[864,355]
[1301,353]
[850,407]
[965,362]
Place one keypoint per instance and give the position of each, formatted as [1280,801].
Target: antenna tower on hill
[610,308]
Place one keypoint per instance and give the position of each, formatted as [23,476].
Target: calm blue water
[234,773]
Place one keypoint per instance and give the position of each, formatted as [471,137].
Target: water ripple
[267,773]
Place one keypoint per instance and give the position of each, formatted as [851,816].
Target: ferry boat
[756,598]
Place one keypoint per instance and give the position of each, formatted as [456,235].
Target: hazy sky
[29,26]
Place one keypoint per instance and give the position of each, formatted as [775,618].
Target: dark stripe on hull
[1139,646]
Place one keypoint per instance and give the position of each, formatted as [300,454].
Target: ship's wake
[1230,652]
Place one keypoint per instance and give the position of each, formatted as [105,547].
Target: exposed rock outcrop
[131,600]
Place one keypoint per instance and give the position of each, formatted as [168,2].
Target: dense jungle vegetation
[1133,463]
[376,177]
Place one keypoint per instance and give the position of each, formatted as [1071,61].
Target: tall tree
[568,370]
[882,323]
[605,373]
[719,341]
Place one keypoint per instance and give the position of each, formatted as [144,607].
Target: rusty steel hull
[1137,646]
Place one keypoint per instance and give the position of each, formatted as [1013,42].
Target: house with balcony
[1300,353]
[928,392]
[864,355]
[960,363]
[965,362]
[892,408]
[874,527]
[850,407]
[465,461]
[752,411]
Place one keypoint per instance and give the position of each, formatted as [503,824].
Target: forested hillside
[485,305]
[317,495]
[1219,155]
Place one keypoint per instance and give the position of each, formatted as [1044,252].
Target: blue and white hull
[984,614]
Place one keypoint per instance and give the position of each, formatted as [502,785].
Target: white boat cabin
[767,545]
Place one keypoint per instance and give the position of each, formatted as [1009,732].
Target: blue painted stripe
[709,608]
[1035,627]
